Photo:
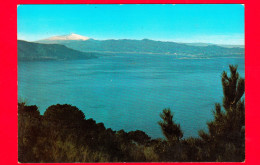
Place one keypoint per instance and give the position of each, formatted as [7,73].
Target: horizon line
[181,42]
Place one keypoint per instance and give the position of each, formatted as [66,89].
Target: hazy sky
[220,24]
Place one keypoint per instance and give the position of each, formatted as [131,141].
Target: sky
[210,23]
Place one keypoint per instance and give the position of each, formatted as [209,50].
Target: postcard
[116,83]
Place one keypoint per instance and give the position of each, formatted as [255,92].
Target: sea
[130,91]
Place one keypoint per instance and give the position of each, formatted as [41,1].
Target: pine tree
[171,131]
[226,134]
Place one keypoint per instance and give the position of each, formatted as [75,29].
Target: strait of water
[129,92]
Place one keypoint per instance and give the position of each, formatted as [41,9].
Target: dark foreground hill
[147,46]
[29,51]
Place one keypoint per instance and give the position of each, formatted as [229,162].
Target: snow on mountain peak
[71,36]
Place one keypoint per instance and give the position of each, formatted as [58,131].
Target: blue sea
[130,91]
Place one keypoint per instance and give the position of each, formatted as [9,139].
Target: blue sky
[220,24]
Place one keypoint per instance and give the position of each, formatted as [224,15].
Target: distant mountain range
[29,51]
[208,44]
[144,46]
[74,46]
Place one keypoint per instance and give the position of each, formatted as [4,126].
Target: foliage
[170,130]
[226,135]
[139,137]
[28,110]
[64,112]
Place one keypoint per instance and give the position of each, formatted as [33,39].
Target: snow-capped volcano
[68,37]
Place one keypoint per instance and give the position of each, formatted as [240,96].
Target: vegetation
[62,134]
[226,136]
[170,130]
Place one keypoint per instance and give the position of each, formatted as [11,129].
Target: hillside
[147,46]
[29,51]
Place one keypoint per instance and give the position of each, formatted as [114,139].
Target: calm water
[130,92]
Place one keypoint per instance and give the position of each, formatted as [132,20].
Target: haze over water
[129,92]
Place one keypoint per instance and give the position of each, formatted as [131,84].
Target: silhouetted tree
[226,135]
[170,130]
[139,136]
[28,131]
[64,112]
[31,110]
